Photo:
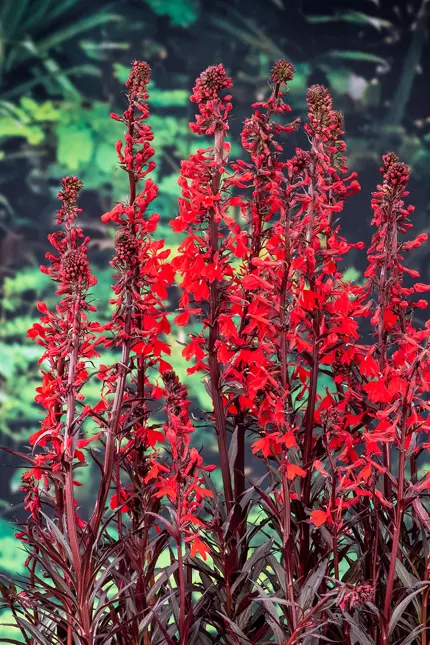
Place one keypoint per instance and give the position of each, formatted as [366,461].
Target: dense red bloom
[339,419]
[67,334]
[210,83]
[139,77]
[213,106]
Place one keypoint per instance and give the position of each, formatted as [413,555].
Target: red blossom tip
[74,266]
[71,186]
[318,98]
[210,83]
[325,122]
[397,174]
[282,71]
[140,75]
[299,162]
[387,161]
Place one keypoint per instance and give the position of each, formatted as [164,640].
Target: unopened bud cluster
[139,78]
[74,266]
[282,71]
[126,246]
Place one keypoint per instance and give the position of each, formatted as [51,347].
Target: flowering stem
[239,464]
[71,403]
[333,505]
[113,426]
[69,443]
[132,198]
[214,368]
[287,538]
[390,245]
[400,499]
[307,443]
[310,410]
[123,367]
[397,521]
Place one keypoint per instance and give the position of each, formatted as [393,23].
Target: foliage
[181,14]
[316,529]
[24,41]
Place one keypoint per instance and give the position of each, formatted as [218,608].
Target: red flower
[293,471]
[319,518]
[120,499]
[377,391]
[198,547]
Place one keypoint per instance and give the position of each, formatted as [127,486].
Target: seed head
[332,419]
[323,119]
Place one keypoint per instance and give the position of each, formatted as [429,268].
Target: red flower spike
[339,420]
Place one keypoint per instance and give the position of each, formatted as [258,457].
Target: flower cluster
[282,72]
[183,482]
[338,418]
[67,336]
[214,107]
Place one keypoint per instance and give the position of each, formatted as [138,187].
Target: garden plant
[317,529]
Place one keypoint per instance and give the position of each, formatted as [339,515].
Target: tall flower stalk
[202,261]
[319,529]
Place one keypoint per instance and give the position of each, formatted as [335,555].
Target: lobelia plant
[319,530]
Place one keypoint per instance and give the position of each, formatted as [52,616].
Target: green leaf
[357,55]
[101,50]
[121,72]
[106,158]
[75,145]
[76,28]
[354,17]
[167,98]
[182,13]
[12,127]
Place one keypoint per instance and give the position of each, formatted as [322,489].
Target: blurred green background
[62,68]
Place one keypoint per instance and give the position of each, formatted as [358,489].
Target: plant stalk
[214,367]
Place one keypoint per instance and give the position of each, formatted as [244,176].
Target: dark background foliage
[62,66]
